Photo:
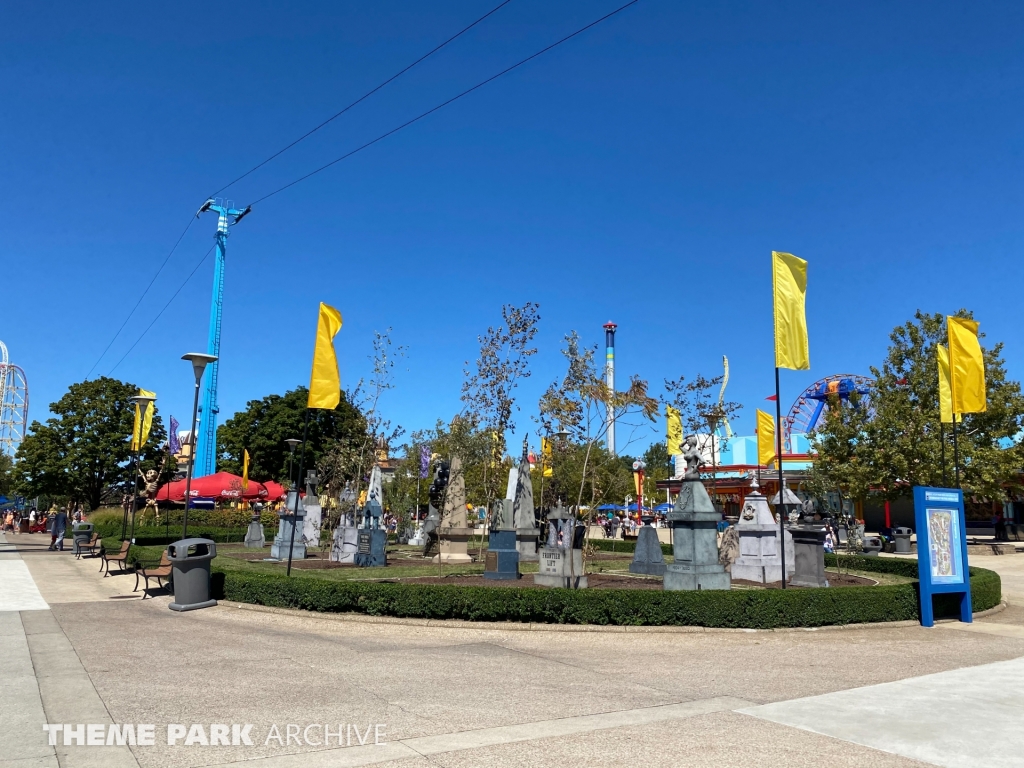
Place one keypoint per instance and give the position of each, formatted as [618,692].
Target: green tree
[82,452]
[265,424]
[896,443]
[8,479]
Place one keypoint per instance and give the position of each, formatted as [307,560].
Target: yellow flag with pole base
[966,366]
[673,431]
[789,285]
[324,380]
[945,398]
[765,438]
[245,470]
[143,420]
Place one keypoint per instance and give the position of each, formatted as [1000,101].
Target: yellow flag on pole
[945,398]
[245,469]
[673,431]
[143,421]
[324,380]
[765,438]
[545,457]
[966,366]
[789,285]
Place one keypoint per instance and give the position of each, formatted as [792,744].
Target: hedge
[152,535]
[752,609]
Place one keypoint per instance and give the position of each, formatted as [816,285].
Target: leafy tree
[8,478]
[265,424]
[896,443]
[82,452]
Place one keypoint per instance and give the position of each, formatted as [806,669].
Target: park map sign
[941,549]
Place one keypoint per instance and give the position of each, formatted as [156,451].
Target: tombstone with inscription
[694,520]
[453,532]
[560,561]
[346,536]
[372,538]
[523,516]
[288,542]
[502,558]
[648,557]
[314,513]
[760,558]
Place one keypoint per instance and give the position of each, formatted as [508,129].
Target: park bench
[94,542]
[159,572]
[120,556]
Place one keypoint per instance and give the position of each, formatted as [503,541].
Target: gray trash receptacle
[190,573]
[82,533]
[872,546]
[901,536]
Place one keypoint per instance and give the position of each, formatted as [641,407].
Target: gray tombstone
[286,541]
[760,558]
[254,536]
[561,561]
[524,519]
[314,514]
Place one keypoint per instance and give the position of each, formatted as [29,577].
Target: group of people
[55,521]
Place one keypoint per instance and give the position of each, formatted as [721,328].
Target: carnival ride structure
[810,408]
[13,404]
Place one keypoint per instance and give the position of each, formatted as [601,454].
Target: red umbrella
[222,486]
[275,491]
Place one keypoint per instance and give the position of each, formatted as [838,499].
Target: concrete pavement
[455,696]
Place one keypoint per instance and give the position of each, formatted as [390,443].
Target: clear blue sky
[642,172]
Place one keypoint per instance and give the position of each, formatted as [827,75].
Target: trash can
[190,573]
[82,533]
[902,538]
[872,546]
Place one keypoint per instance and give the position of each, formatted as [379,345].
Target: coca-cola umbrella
[222,486]
[275,491]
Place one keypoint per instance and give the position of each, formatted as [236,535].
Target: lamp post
[136,401]
[199,362]
[292,444]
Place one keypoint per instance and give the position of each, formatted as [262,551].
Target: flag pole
[295,510]
[956,454]
[778,458]
[942,440]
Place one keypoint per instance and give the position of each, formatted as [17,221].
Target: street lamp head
[199,362]
[562,434]
[142,400]
[292,443]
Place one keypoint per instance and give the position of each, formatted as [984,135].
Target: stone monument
[254,536]
[453,532]
[648,557]
[372,538]
[292,515]
[524,519]
[760,558]
[346,536]
[435,493]
[502,558]
[314,513]
[561,559]
[694,520]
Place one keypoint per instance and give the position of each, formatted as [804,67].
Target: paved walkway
[456,696]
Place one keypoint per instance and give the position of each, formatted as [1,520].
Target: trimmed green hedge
[152,535]
[752,609]
[625,547]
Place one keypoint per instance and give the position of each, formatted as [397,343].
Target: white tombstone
[760,556]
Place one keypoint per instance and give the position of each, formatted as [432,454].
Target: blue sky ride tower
[206,452]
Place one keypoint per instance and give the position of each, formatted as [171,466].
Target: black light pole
[140,401]
[199,362]
[778,458]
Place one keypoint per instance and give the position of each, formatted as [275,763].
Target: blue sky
[642,172]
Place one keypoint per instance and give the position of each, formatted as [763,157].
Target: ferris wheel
[13,404]
[809,409]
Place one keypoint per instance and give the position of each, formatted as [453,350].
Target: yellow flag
[324,380]
[789,284]
[945,399]
[143,421]
[636,483]
[545,454]
[966,366]
[673,431]
[245,470]
[765,438]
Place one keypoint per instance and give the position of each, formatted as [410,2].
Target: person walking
[60,525]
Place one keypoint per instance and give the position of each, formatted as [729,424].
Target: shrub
[753,609]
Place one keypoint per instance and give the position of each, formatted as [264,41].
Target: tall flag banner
[324,379]
[765,438]
[545,454]
[173,444]
[424,460]
[673,431]
[966,366]
[789,285]
[143,421]
[245,469]
[945,397]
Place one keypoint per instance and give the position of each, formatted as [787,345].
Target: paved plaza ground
[80,648]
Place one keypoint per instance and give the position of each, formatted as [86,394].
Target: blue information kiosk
[941,549]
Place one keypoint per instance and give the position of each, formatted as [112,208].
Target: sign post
[941,549]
